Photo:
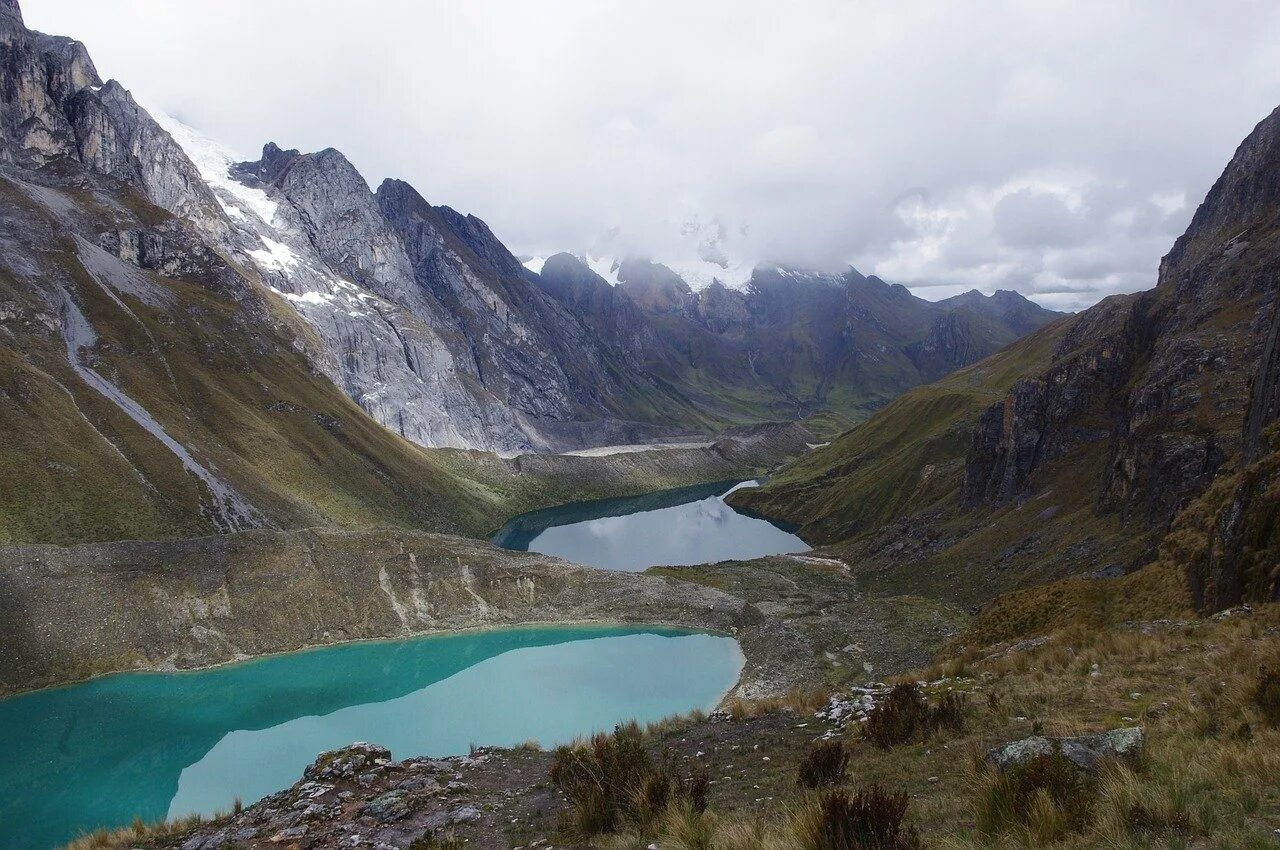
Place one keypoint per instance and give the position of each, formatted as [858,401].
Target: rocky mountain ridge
[425,320]
[791,341]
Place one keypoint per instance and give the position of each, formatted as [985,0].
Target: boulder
[1085,751]
[346,762]
[387,807]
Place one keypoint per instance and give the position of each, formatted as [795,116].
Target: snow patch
[214,160]
[700,274]
[606,267]
[277,255]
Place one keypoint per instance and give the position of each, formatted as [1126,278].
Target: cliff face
[1162,379]
[1141,428]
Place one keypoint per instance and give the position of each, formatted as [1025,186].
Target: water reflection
[693,525]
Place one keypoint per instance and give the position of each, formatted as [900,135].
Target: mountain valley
[258,407]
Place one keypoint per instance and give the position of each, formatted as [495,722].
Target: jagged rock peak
[11,9]
[395,193]
[273,164]
[1247,190]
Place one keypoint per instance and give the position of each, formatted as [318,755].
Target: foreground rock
[1087,752]
[359,796]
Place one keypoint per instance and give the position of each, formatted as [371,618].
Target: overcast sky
[1056,148]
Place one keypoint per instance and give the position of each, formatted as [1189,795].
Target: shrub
[905,713]
[825,764]
[1266,695]
[612,780]
[698,785]
[950,712]
[1047,795]
[898,717]
[870,819]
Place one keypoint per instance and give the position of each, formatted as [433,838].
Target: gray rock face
[518,338]
[56,105]
[429,324]
[331,254]
[40,76]
[949,342]
[1086,751]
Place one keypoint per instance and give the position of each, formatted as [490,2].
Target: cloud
[1032,219]
[1053,147]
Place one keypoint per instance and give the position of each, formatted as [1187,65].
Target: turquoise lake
[691,525]
[160,745]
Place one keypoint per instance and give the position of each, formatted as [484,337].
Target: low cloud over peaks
[1053,148]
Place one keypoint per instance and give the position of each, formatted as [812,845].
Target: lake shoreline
[602,625]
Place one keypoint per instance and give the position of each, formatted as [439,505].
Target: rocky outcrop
[1046,416]
[1230,539]
[55,105]
[950,343]
[530,352]
[40,76]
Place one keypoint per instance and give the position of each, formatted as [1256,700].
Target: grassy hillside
[887,495]
[906,458]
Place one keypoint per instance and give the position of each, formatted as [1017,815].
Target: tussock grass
[869,819]
[826,763]
[1041,801]
[432,841]
[1206,778]
[613,782]
[138,831]
[1266,696]
[797,701]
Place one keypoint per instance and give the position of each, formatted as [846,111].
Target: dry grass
[797,701]
[613,783]
[138,831]
[1207,777]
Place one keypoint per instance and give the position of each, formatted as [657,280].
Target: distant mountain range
[786,342]
[425,320]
